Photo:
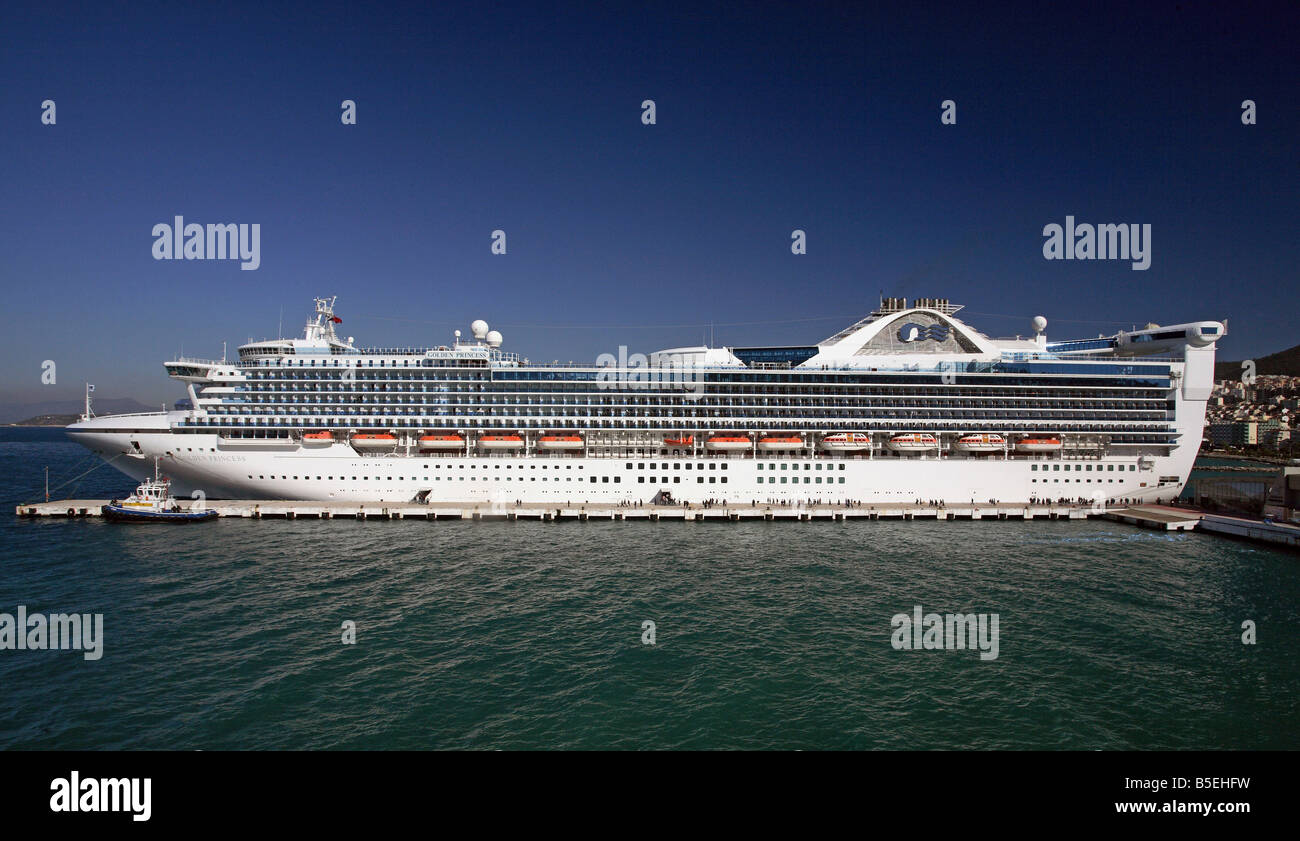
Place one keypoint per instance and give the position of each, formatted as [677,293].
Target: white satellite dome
[494,339]
[479,328]
[1039,323]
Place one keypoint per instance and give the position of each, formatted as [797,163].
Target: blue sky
[526,118]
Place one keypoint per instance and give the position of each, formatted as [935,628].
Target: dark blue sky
[526,117]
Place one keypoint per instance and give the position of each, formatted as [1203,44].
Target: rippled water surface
[529,635]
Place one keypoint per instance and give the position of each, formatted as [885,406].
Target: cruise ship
[907,403]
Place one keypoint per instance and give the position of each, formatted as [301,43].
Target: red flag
[337,320]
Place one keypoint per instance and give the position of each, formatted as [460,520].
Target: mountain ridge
[1285,362]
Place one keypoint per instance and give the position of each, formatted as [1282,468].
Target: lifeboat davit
[501,442]
[729,442]
[780,442]
[368,441]
[1038,445]
[980,443]
[317,439]
[442,442]
[560,442]
[683,441]
[846,441]
[913,442]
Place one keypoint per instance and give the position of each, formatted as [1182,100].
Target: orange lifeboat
[913,442]
[1038,445]
[370,441]
[560,442]
[846,441]
[780,442]
[317,439]
[441,442]
[728,443]
[980,443]
[501,442]
[683,441]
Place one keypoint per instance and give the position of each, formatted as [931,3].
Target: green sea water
[531,635]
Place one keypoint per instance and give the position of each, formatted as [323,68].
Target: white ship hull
[196,463]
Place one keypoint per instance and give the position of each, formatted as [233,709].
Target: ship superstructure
[908,403]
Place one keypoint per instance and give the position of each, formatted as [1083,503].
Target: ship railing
[132,414]
[195,360]
[1099,356]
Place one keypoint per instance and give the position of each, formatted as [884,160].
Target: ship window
[841,468]
[641,479]
[699,479]
[841,479]
[618,479]
[712,479]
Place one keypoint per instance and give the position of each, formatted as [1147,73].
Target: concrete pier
[295,509]
[1160,517]
[1280,534]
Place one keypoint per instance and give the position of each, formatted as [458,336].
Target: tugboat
[152,502]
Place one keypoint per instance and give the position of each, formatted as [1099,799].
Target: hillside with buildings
[1255,417]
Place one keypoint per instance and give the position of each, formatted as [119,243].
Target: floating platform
[292,510]
[1156,517]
